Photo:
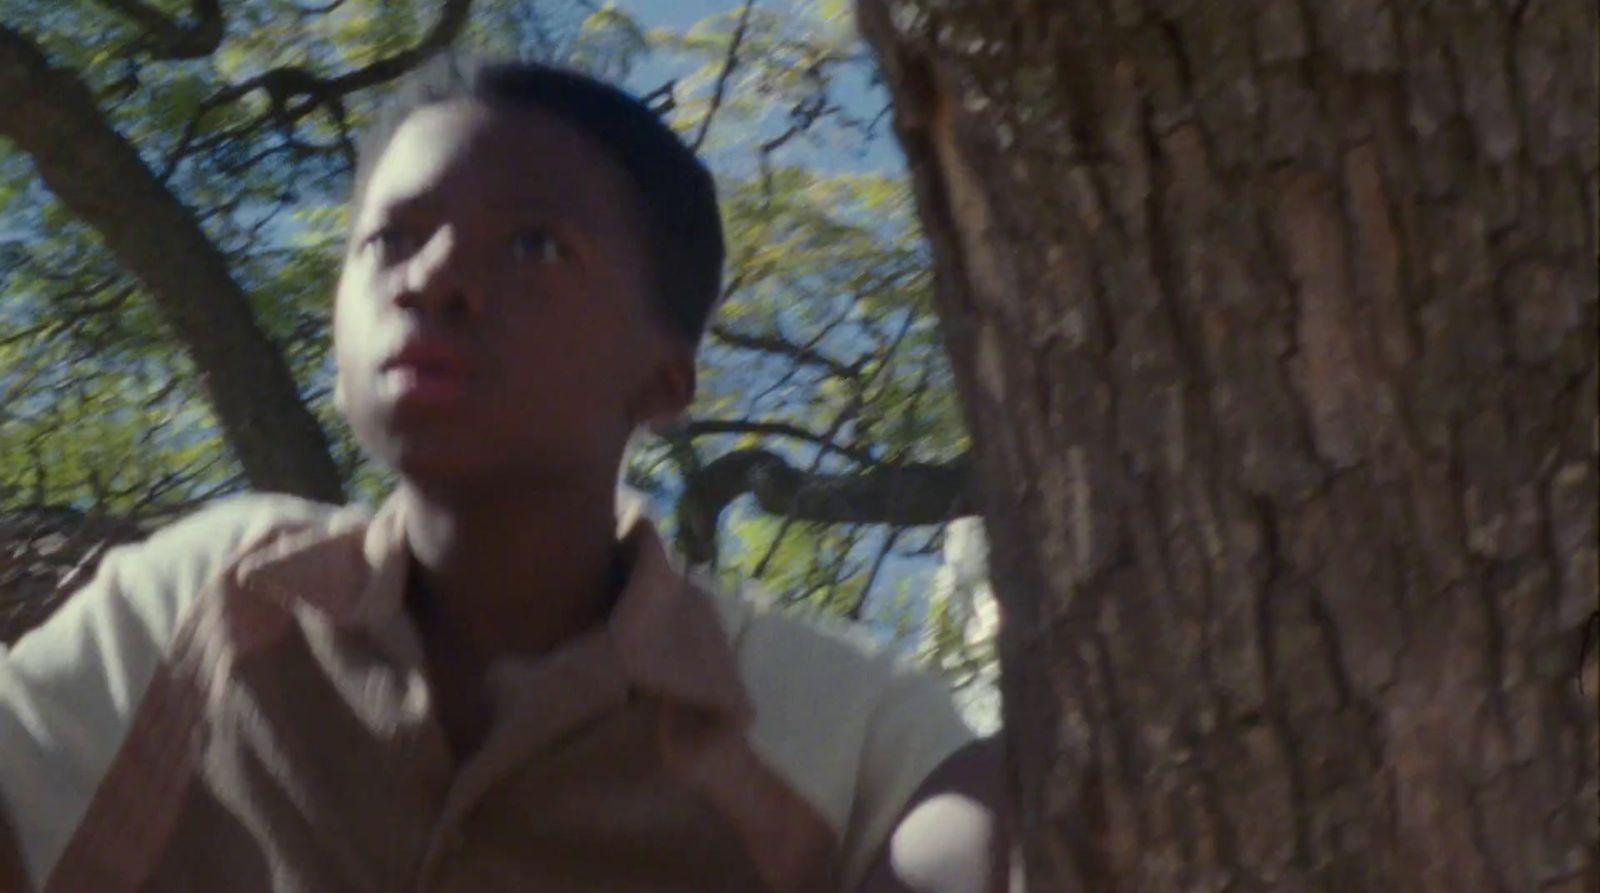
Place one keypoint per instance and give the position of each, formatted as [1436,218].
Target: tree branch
[452,19]
[706,427]
[903,495]
[777,344]
[287,82]
[98,175]
[860,606]
[728,66]
[760,570]
[167,39]
[850,411]
[319,10]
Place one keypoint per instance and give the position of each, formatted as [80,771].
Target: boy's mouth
[425,372]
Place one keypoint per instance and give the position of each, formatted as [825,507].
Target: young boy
[489,684]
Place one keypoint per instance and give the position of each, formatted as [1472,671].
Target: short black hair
[677,197]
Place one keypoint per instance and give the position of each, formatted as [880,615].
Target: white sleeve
[844,721]
[69,687]
[913,728]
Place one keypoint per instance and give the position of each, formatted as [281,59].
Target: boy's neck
[514,575]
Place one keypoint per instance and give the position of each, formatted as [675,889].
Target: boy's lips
[426,372]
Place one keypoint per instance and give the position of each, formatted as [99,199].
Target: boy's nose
[439,279]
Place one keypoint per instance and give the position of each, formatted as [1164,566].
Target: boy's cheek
[357,283]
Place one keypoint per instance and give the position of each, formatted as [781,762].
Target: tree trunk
[1276,324]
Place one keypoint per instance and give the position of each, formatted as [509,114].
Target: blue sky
[674,13]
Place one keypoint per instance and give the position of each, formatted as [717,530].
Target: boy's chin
[432,464]
[468,473]
[439,469]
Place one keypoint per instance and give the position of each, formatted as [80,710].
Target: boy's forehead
[512,157]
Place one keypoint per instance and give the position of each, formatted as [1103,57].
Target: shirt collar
[666,632]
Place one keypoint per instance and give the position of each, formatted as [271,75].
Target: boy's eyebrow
[408,204]
[553,210]
[425,204]
[541,204]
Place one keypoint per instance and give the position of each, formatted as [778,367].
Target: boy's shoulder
[69,687]
[219,530]
[143,588]
[191,551]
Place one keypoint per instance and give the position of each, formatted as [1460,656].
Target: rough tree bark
[1276,326]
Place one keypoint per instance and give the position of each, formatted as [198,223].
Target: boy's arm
[953,836]
[66,689]
[70,687]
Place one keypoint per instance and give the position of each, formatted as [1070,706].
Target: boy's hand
[953,837]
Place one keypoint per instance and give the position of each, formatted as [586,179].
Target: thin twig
[872,577]
[722,78]
[837,572]
[845,415]
[776,343]
[704,427]
[772,548]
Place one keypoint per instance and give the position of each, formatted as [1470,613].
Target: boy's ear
[667,392]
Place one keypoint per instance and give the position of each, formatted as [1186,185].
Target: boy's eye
[534,245]
[392,242]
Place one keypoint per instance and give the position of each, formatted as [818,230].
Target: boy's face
[492,326]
